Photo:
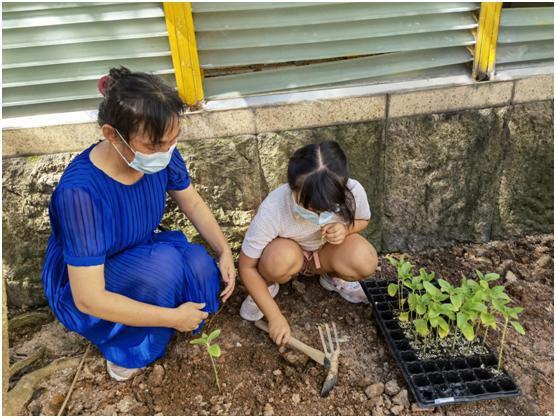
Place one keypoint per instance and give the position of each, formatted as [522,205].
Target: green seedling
[511,316]
[213,350]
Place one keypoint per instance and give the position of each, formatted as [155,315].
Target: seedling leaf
[197,341]
[214,334]
[214,350]
[392,289]
[518,327]
[404,316]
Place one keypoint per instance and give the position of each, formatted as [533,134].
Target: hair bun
[103,84]
[118,73]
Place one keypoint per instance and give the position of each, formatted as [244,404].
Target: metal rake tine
[322,339]
[335,335]
[329,338]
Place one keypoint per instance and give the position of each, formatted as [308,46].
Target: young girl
[109,275]
[308,226]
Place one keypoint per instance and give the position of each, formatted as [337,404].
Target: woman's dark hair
[136,101]
[318,173]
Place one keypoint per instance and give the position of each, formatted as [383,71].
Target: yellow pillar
[181,35]
[487,37]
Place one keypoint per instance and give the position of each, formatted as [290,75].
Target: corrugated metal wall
[526,36]
[53,53]
[283,46]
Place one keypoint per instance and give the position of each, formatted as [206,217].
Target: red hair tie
[103,84]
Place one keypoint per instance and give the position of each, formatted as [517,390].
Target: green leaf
[461,320]
[443,324]
[477,306]
[457,301]
[197,341]
[487,318]
[432,289]
[479,274]
[513,312]
[421,327]
[421,309]
[214,350]
[499,306]
[205,336]
[404,316]
[468,332]
[392,260]
[484,284]
[412,299]
[518,327]
[392,289]
[491,276]
[497,290]
[443,333]
[214,334]
[444,285]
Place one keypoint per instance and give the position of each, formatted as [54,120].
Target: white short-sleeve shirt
[276,218]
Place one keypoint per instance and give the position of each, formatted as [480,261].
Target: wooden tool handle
[313,353]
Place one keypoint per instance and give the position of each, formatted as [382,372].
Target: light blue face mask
[147,163]
[318,219]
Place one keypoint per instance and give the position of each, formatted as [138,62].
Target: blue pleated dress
[97,220]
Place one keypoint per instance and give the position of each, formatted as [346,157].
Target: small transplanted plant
[213,350]
[437,312]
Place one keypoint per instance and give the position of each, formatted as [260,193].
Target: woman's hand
[228,272]
[188,316]
[279,329]
[335,233]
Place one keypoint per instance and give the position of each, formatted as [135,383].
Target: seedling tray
[439,381]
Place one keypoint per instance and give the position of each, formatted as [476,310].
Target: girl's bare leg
[281,259]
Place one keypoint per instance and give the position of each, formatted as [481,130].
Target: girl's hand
[279,330]
[228,272]
[188,316]
[335,233]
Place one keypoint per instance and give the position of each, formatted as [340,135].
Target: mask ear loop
[124,141]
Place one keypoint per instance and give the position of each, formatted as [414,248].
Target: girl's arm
[200,215]
[91,297]
[358,226]
[257,287]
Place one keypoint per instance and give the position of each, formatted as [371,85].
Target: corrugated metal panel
[333,72]
[526,35]
[54,53]
[365,40]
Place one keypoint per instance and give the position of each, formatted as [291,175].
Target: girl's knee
[365,259]
[281,260]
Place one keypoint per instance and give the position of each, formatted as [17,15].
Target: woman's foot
[120,373]
[249,309]
[350,291]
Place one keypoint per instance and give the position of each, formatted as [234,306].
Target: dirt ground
[259,379]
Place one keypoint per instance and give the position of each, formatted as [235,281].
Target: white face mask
[318,219]
[147,163]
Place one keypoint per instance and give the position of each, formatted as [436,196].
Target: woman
[109,275]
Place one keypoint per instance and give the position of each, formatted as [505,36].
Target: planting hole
[370,284]
[409,356]
[474,362]
[387,316]
[458,390]
[373,291]
[481,374]
[467,375]
[428,395]
[489,360]
[436,378]
[443,391]
[381,306]
[414,368]
[492,386]
[459,363]
[397,335]
[452,377]
[444,365]
[429,366]
[475,388]
[507,384]
[421,380]
[403,345]
[379,298]
[391,325]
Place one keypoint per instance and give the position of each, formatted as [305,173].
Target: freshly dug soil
[258,378]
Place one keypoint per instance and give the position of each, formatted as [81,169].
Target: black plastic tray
[439,381]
